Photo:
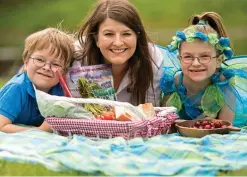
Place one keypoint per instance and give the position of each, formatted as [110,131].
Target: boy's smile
[41,68]
[46,75]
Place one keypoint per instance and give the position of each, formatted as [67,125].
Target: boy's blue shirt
[18,101]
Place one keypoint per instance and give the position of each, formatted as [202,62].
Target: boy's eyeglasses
[42,62]
[202,59]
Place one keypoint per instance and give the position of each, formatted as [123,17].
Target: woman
[113,33]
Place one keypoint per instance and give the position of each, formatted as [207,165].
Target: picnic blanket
[161,155]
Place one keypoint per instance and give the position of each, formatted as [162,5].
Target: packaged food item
[94,81]
[85,108]
[148,109]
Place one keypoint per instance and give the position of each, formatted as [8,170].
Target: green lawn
[25,169]
[2,82]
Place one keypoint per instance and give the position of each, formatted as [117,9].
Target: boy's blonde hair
[61,43]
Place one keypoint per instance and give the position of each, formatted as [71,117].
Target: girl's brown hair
[214,24]
[140,64]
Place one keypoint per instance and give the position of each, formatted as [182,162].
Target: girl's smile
[192,54]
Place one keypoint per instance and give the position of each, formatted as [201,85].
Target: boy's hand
[45,127]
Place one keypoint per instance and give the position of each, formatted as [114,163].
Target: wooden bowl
[183,127]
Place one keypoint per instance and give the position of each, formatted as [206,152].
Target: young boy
[45,52]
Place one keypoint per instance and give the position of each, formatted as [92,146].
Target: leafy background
[162,18]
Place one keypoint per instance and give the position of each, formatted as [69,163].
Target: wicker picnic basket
[110,128]
[66,116]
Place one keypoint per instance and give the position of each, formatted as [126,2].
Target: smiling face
[196,71]
[43,77]
[116,42]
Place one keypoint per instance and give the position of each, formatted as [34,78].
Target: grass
[19,18]
[240,172]
[8,168]
[25,169]
[2,81]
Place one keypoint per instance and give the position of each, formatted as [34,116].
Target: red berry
[217,124]
[197,123]
[200,127]
[205,123]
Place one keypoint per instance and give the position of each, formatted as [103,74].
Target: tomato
[107,117]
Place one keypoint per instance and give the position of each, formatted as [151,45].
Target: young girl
[202,86]
[45,52]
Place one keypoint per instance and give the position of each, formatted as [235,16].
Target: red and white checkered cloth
[111,128]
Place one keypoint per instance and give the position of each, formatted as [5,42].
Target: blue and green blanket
[161,155]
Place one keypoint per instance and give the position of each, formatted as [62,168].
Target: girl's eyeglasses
[201,59]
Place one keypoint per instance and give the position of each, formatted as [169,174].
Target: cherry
[205,123]
[197,123]
[207,126]
[217,124]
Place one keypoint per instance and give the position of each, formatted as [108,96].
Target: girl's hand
[204,116]
[210,118]
[226,114]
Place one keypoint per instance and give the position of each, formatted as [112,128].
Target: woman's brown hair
[140,64]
